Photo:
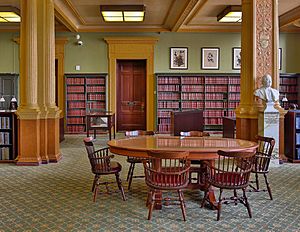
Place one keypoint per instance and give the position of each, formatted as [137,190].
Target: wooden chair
[230,171]
[134,160]
[262,161]
[197,168]
[101,164]
[166,171]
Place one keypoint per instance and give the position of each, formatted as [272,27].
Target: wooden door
[131,95]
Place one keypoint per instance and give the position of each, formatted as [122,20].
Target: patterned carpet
[57,197]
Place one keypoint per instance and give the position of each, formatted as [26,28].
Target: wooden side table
[100,121]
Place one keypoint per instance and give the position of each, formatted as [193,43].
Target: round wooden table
[200,148]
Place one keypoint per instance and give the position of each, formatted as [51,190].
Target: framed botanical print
[178,58]
[210,58]
[236,58]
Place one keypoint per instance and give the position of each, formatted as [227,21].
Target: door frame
[132,48]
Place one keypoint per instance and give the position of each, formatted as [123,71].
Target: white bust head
[267,81]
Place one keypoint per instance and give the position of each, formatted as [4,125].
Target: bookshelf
[216,94]
[289,85]
[292,136]
[8,136]
[84,93]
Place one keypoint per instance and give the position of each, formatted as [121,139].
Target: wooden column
[28,111]
[260,33]
[46,37]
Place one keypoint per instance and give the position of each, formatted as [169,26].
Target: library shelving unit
[216,94]
[288,87]
[8,136]
[292,136]
[84,92]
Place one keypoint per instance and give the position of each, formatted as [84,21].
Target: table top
[199,147]
[102,114]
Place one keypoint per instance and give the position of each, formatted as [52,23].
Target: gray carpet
[57,197]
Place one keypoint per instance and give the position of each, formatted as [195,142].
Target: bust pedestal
[268,126]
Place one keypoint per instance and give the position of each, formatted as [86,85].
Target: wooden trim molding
[132,48]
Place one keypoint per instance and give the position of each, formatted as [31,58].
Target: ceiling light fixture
[123,13]
[231,14]
[9,14]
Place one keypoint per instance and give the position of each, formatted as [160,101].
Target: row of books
[168,96]
[213,121]
[95,81]
[164,120]
[96,105]
[230,113]
[4,153]
[216,88]
[95,96]
[168,80]
[73,96]
[234,97]
[192,105]
[234,88]
[164,128]
[4,138]
[75,89]
[76,104]
[192,88]
[163,114]
[290,89]
[4,123]
[192,80]
[192,96]
[75,128]
[234,80]
[75,81]
[95,88]
[233,104]
[211,104]
[76,120]
[76,112]
[166,104]
[215,96]
[288,81]
[168,87]
[213,113]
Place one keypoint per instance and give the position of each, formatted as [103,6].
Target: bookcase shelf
[218,95]
[8,136]
[84,93]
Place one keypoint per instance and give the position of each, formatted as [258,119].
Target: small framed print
[279,58]
[178,58]
[210,58]
[236,58]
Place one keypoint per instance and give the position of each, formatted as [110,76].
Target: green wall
[9,50]
[92,55]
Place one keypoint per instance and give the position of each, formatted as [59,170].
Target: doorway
[131,95]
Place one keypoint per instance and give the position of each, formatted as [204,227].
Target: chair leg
[268,186]
[256,181]
[247,203]
[181,199]
[129,171]
[95,182]
[119,182]
[131,176]
[219,205]
[204,198]
[151,205]
[96,186]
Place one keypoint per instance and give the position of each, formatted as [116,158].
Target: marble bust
[266,92]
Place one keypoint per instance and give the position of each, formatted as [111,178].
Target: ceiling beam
[289,17]
[65,14]
[189,7]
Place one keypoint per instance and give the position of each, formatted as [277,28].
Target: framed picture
[236,58]
[280,58]
[178,58]
[210,58]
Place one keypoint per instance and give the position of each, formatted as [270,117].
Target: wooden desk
[200,148]
[100,121]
